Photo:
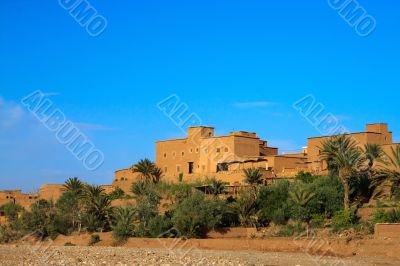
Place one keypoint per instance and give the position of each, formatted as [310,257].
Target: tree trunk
[346,187]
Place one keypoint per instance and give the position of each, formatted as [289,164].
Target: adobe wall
[51,192]
[124,179]
[387,231]
[16,196]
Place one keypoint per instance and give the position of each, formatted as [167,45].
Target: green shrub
[305,177]
[69,244]
[380,216]
[290,230]
[394,216]
[11,210]
[328,196]
[273,203]
[94,239]
[317,220]
[196,214]
[158,225]
[343,220]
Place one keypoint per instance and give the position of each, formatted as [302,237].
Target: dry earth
[58,255]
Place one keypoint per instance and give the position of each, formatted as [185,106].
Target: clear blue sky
[239,65]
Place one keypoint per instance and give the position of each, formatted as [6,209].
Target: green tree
[373,153]
[98,208]
[217,187]
[300,197]
[74,184]
[253,176]
[148,171]
[345,158]
[388,178]
[123,227]
[117,193]
[196,214]
[246,209]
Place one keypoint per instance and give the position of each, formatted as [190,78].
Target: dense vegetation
[157,209]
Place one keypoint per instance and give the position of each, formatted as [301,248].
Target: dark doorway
[191,166]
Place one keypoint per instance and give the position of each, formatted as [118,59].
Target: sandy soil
[56,255]
[141,251]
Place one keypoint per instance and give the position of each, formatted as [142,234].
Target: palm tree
[389,176]
[345,158]
[123,227]
[139,188]
[217,187]
[74,184]
[91,192]
[148,171]
[253,176]
[373,153]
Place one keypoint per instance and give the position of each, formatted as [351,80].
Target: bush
[290,230]
[343,220]
[328,196]
[196,214]
[11,210]
[94,239]
[380,216]
[394,216]
[159,225]
[305,177]
[317,221]
[273,203]
[246,209]
[69,244]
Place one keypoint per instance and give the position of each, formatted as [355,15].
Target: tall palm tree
[74,184]
[345,158]
[148,171]
[389,176]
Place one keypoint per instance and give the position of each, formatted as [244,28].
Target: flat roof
[356,133]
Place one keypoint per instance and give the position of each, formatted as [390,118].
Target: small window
[191,150]
[165,155]
[218,150]
[226,149]
[165,169]
[197,150]
[209,134]
[173,154]
[183,153]
[7,197]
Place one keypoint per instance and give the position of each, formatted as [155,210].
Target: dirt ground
[57,255]
[140,251]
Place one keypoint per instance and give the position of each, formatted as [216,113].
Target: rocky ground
[52,255]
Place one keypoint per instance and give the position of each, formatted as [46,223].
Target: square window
[218,150]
